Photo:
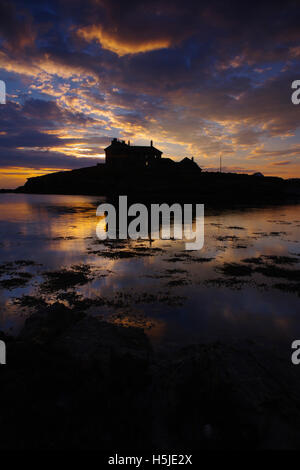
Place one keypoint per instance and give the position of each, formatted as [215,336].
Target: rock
[49,322]
[111,347]
[247,392]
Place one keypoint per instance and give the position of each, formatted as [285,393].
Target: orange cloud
[121,47]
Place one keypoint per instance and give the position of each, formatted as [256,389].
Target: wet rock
[92,340]
[49,322]
[248,393]
[75,382]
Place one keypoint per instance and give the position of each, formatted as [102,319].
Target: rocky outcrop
[174,182]
[74,382]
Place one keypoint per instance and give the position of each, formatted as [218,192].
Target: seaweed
[235,269]
[178,282]
[66,278]
[282,259]
[232,283]
[13,283]
[276,271]
[293,288]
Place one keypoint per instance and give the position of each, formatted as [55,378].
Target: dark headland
[141,171]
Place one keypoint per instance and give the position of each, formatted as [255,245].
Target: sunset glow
[192,77]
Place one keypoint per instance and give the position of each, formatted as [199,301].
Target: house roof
[143,148]
[188,163]
[132,148]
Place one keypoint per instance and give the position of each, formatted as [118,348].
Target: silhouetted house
[166,164]
[122,155]
[188,164]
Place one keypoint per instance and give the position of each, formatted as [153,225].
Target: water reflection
[177,296]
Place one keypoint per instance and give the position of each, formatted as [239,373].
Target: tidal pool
[243,285]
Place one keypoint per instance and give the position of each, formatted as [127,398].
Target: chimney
[192,159]
[128,142]
[151,143]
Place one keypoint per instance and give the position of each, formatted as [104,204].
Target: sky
[199,78]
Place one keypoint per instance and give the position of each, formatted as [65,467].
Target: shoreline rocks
[74,382]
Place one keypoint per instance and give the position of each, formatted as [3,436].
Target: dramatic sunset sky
[201,79]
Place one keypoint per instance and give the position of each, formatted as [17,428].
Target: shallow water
[173,294]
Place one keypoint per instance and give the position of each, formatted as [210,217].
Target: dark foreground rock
[73,382]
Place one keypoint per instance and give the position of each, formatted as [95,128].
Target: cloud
[16,27]
[200,78]
[127,46]
[286,162]
[137,26]
[292,151]
[36,134]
